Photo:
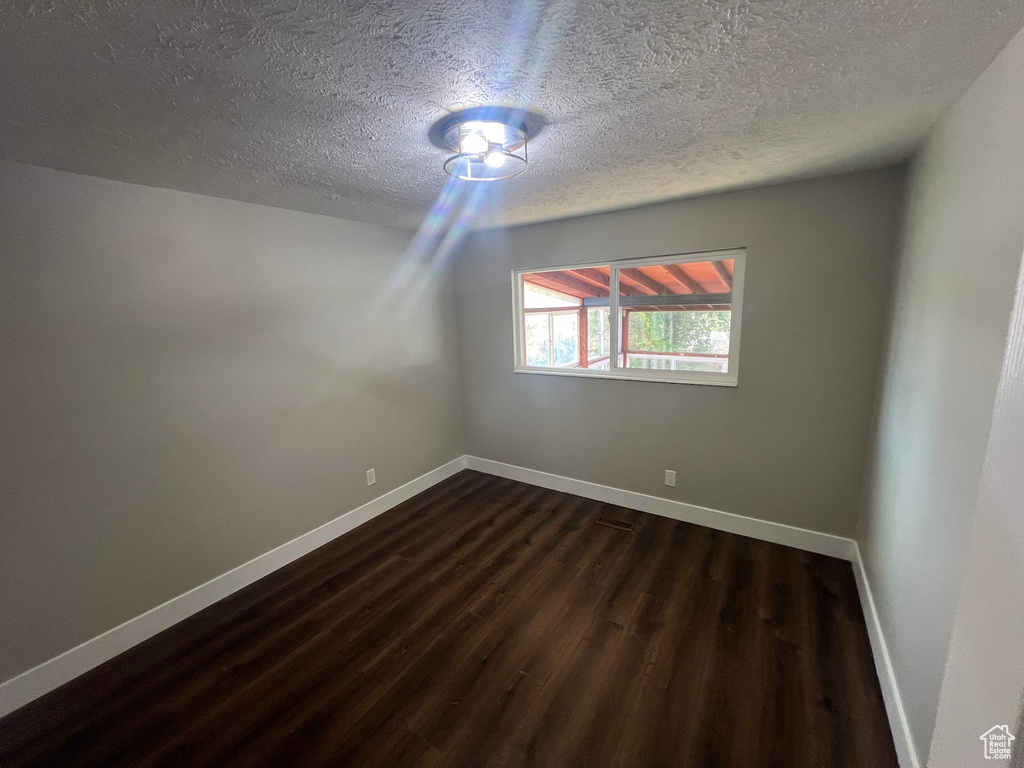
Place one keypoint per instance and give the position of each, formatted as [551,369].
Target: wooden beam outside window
[565,282]
[723,273]
[642,281]
[677,272]
[584,343]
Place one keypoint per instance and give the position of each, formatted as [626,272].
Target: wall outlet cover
[371,476]
[670,477]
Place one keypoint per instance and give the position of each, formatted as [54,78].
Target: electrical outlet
[670,477]
[371,476]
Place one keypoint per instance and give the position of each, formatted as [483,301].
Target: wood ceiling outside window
[710,278]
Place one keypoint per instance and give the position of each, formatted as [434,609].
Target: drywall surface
[325,106]
[187,383]
[961,250]
[789,443]
[983,686]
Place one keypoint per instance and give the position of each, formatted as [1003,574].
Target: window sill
[713,380]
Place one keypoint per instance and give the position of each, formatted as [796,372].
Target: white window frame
[729,378]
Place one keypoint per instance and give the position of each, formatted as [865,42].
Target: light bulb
[495,132]
[474,144]
[495,159]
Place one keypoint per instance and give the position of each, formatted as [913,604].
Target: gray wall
[188,382]
[789,444]
[960,255]
[983,684]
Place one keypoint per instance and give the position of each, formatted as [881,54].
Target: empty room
[549,383]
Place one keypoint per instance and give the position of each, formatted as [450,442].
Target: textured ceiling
[325,105]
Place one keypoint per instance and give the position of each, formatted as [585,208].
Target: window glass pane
[676,317]
[598,337]
[538,343]
[568,305]
[566,337]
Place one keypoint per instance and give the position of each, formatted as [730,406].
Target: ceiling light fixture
[485,150]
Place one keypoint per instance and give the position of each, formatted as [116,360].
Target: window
[677,318]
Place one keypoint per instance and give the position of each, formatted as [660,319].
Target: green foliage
[679,331]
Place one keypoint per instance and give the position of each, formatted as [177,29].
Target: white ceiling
[325,105]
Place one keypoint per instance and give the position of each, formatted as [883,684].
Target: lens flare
[421,281]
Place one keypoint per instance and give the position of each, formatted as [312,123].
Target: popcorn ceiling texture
[324,105]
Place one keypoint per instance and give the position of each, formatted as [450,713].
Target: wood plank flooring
[491,623]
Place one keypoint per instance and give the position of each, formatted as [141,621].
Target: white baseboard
[51,674]
[905,750]
[778,533]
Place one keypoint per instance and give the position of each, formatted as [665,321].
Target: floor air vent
[619,525]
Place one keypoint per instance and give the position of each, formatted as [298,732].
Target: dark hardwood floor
[490,623]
